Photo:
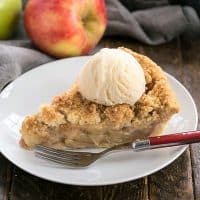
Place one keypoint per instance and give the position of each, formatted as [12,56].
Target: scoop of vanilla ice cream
[112,76]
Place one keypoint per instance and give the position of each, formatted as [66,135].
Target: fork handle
[168,140]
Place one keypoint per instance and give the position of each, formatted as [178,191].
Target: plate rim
[123,180]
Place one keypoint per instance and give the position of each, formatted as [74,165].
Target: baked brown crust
[156,106]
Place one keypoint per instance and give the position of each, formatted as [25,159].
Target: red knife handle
[175,139]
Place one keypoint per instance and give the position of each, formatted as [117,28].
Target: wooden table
[180,180]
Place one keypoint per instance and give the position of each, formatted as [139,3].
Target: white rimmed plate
[23,97]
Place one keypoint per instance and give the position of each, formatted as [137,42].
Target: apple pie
[75,122]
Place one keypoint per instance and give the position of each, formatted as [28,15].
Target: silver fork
[77,159]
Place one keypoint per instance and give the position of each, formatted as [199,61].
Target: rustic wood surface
[178,181]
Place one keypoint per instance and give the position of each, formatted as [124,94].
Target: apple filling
[66,135]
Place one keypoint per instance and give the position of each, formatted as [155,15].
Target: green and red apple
[65,28]
[9,16]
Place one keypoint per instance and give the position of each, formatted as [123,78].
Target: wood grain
[173,182]
[5,177]
[195,157]
[28,187]
[191,71]
[134,190]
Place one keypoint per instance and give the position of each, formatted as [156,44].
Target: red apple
[64,28]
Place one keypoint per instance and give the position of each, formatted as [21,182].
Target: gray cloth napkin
[17,59]
[151,25]
[154,25]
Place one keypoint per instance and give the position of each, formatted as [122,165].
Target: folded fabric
[153,25]
[17,59]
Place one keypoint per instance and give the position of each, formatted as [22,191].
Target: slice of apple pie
[71,120]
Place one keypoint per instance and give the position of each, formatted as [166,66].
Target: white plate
[23,97]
